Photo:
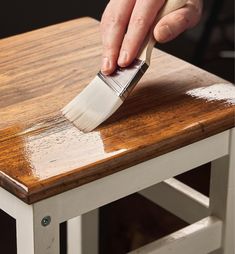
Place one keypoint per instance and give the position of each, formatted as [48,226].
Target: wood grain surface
[42,154]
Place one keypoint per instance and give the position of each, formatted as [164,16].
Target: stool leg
[46,237]
[35,238]
[74,236]
[222,196]
[25,233]
[23,215]
[82,234]
[46,222]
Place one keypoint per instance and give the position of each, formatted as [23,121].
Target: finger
[178,21]
[142,18]
[113,27]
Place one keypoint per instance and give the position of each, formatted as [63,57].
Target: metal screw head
[46,221]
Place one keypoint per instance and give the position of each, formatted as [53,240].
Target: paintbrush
[105,94]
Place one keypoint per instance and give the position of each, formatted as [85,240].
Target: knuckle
[182,20]
[140,21]
[116,20]
[110,19]
[196,6]
[195,10]
[197,15]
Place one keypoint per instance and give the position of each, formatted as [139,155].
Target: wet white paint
[216,92]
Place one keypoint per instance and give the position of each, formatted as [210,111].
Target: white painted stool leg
[24,232]
[74,245]
[33,237]
[46,228]
[23,215]
[82,234]
[222,196]
[46,238]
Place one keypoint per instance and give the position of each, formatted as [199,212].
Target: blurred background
[133,221]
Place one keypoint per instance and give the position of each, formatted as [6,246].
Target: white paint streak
[216,92]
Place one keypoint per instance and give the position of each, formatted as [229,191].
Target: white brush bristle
[92,106]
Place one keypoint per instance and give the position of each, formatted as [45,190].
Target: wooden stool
[178,117]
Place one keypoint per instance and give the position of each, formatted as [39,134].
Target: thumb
[173,24]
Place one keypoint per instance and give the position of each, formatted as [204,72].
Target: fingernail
[105,65]
[164,33]
[122,58]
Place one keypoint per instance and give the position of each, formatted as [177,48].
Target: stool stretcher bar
[179,199]
[201,237]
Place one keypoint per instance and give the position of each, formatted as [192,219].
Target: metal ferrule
[123,80]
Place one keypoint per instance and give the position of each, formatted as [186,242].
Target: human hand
[125,23]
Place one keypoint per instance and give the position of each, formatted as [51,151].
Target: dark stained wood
[42,154]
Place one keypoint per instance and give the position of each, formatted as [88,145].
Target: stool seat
[42,154]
